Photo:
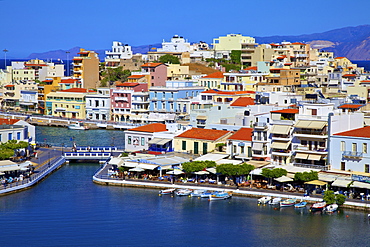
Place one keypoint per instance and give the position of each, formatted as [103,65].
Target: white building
[119,51]
[98,105]
[177,44]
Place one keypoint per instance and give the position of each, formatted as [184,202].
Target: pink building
[157,74]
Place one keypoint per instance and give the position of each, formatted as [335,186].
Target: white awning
[314,157]
[147,166]
[280,129]
[280,145]
[302,156]
[341,183]
[115,161]
[257,146]
[361,185]
[202,117]
[306,124]
[212,157]
[283,179]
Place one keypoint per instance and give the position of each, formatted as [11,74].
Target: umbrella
[283,179]
[136,169]
[201,173]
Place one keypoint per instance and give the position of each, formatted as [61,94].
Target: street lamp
[67,52]
[5,51]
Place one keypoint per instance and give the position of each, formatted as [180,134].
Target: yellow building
[70,103]
[212,81]
[86,68]
[200,141]
[225,44]
[177,72]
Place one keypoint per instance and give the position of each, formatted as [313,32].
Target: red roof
[128,84]
[350,106]
[287,63]
[349,75]
[243,101]
[298,43]
[9,86]
[77,90]
[83,52]
[217,74]
[204,134]
[151,65]
[8,121]
[339,57]
[243,134]
[77,58]
[154,127]
[251,68]
[365,81]
[281,57]
[361,132]
[47,80]
[292,111]
[135,76]
[68,81]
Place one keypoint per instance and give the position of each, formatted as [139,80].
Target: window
[342,146]
[304,142]
[364,148]
[242,150]
[367,168]
[18,135]
[343,166]
[10,136]
[183,145]
[142,141]
[129,140]
[354,147]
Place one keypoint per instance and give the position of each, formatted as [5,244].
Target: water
[57,136]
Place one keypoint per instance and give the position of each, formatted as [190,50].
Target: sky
[42,25]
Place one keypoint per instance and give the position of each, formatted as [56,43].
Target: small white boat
[287,202]
[206,194]
[264,200]
[275,201]
[319,206]
[197,193]
[183,192]
[167,192]
[220,196]
[77,126]
[331,208]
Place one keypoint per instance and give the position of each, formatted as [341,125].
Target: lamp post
[67,52]
[5,51]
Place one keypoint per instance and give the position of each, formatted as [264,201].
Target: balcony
[312,150]
[352,155]
[260,125]
[285,153]
[121,99]
[319,134]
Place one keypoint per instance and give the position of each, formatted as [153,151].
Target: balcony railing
[260,125]
[352,155]
[311,132]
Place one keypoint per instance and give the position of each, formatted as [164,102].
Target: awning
[284,179]
[163,141]
[306,124]
[317,182]
[314,157]
[147,166]
[257,146]
[201,173]
[202,117]
[361,185]
[341,183]
[136,169]
[280,129]
[302,156]
[280,145]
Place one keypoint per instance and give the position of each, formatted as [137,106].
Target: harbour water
[68,209]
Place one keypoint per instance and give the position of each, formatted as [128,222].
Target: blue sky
[44,25]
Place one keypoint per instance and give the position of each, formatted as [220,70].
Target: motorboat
[274,201]
[167,192]
[264,200]
[77,126]
[319,206]
[220,196]
[197,193]
[331,208]
[206,194]
[183,192]
[300,204]
[287,202]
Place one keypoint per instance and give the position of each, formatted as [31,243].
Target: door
[196,147]
[205,147]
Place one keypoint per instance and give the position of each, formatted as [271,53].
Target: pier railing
[34,178]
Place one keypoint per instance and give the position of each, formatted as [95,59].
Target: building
[212,81]
[86,68]
[119,52]
[239,144]
[16,129]
[98,105]
[155,74]
[225,44]
[12,95]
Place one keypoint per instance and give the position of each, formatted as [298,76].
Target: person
[89,149]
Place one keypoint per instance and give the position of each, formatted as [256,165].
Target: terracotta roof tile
[251,68]
[243,134]
[349,75]
[243,101]
[68,81]
[293,111]
[77,90]
[154,127]
[8,121]
[217,74]
[350,106]
[9,86]
[204,134]
[151,65]
[361,132]
[128,84]
[339,57]
[135,76]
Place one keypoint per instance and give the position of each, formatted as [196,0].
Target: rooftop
[204,134]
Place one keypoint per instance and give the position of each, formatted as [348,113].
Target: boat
[167,192]
[77,126]
[331,208]
[220,196]
[264,200]
[275,201]
[300,204]
[319,206]
[183,192]
[206,194]
[287,202]
[197,193]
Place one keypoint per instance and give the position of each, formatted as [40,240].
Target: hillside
[199,69]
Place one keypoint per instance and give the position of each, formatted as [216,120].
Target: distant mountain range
[350,42]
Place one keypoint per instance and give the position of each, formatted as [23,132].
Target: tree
[235,56]
[196,166]
[234,170]
[273,173]
[306,176]
[111,75]
[169,59]
[7,148]
[331,198]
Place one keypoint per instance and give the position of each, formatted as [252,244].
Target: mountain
[350,42]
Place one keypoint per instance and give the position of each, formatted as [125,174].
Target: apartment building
[118,52]
[98,105]
[86,69]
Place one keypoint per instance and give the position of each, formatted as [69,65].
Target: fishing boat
[300,204]
[183,192]
[275,201]
[206,194]
[167,192]
[77,126]
[220,196]
[331,208]
[264,200]
[319,206]
[197,193]
[287,202]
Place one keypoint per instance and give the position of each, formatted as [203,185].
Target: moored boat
[220,196]
[275,201]
[300,204]
[264,200]
[166,191]
[206,194]
[319,206]
[287,202]
[183,192]
[331,208]
[77,126]
[197,193]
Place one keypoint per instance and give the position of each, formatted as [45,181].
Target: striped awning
[306,124]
